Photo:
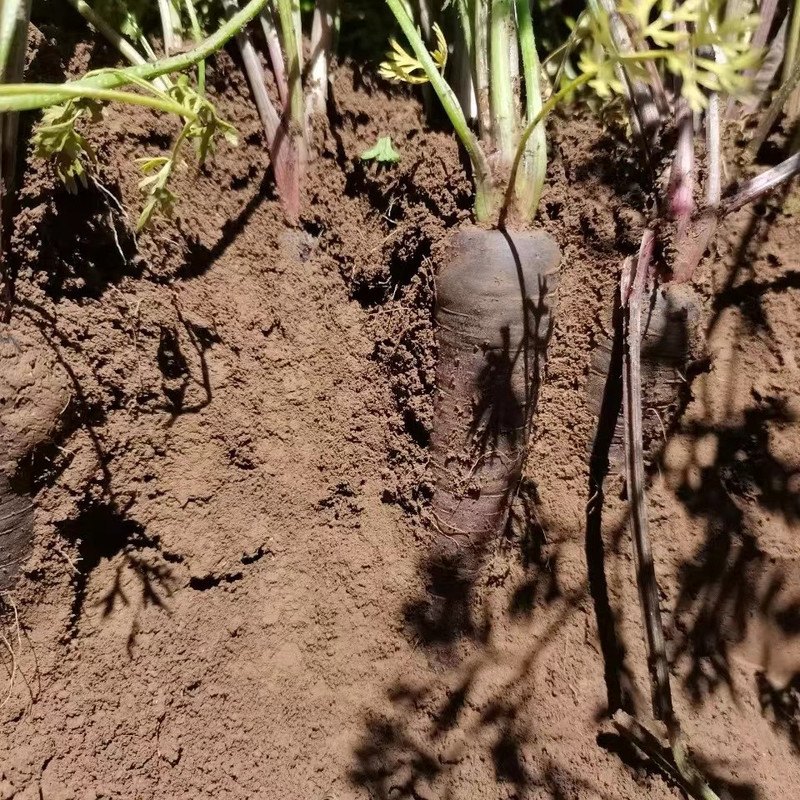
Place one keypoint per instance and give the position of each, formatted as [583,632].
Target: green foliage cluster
[402,66]
[137,18]
[201,129]
[58,139]
[693,39]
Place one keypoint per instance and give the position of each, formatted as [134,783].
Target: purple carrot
[494,303]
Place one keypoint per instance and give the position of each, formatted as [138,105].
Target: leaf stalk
[111,79]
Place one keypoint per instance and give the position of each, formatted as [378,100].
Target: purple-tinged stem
[284,157]
[273,41]
[691,244]
[640,97]
[752,190]
[270,118]
[766,15]
[632,294]
[322,30]
[775,108]
[657,88]
[681,183]
[656,85]
[481,44]
[765,74]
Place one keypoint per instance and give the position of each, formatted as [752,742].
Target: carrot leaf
[382,152]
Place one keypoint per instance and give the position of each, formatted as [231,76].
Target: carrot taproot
[494,317]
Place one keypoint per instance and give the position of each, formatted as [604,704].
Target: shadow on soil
[617,675]
[101,533]
[176,372]
[732,590]
[730,580]
[424,741]
[415,745]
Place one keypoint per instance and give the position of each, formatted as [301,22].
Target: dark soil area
[224,427]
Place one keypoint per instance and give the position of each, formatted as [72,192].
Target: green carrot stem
[298,33]
[640,56]
[148,49]
[465,61]
[198,37]
[289,34]
[484,201]
[14,22]
[119,42]
[125,48]
[168,27]
[111,79]
[466,25]
[552,102]
[534,163]
[481,60]
[11,12]
[67,92]
[501,93]
[792,42]
[530,60]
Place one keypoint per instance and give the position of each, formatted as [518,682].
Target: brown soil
[228,594]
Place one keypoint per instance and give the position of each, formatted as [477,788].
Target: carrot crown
[628,47]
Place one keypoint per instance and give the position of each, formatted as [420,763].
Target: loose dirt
[227,593]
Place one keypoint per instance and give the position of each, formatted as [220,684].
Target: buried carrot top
[495,296]
[499,105]
[495,293]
